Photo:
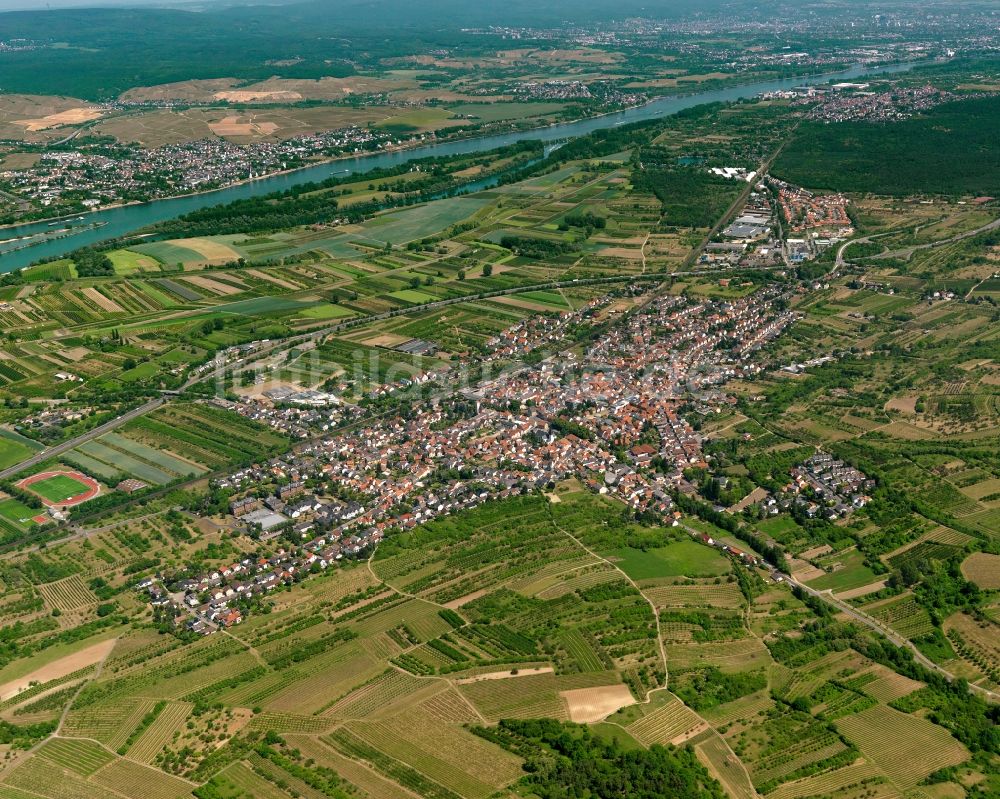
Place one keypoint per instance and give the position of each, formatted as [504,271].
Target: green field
[12,452]
[422,119]
[326,310]
[849,571]
[169,254]
[680,559]
[17,512]
[63,269]
[141,372]
[403,226]
[413,296]
[493,112]
[128,261]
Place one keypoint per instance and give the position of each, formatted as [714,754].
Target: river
[114,222]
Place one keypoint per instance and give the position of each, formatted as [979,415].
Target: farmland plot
[160,732]
[67,594]
[83,757]
[133,779]
[668,721]
[41,777]
[907,748]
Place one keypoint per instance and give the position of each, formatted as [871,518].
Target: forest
[691,197]
[950,150]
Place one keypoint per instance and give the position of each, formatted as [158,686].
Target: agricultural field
[171,303]
[983,569]
[681,559]
[14,449]
[498,612]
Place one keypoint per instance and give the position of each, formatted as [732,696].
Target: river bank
[125,219]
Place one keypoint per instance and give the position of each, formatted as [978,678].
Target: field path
[652,605]
[659,639]
[69,705]
[407,594]
[249,648]
[25,754]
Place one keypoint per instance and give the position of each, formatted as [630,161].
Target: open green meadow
[680,559]
[12,452]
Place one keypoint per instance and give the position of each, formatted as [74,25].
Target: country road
[862,618]
[890,634]
[906,252]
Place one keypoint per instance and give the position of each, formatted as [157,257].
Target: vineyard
[977,642]
[151,742]
[903,614]
[68,594]
[509,619]
[907,748]
[83,757]
[110,724]
[126,777]
[670,721]
[446,754]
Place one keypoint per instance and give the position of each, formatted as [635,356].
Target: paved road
[59,449]
[886,632]
[906,252]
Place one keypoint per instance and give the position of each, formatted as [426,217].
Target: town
[96,176]
[610,418]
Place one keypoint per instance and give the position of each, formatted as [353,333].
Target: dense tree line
[691,197]
[709,687]
[566,761]
[92,263]
[584,219]
[534,247]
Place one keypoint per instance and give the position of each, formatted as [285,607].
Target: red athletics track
[91,492]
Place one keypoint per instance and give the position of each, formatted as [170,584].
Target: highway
[65,446]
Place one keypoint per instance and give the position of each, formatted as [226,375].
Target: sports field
[57,488]
[16,512]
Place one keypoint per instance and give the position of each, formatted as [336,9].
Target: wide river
[115,222]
